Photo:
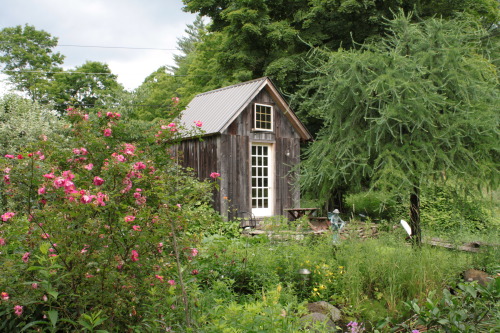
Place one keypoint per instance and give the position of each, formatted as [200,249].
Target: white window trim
[255,118]
[269,211]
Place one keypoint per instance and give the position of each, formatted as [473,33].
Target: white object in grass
[406,226]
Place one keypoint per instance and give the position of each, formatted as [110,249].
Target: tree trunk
[416,232]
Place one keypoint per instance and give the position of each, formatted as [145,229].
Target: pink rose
[4,296]
[98,181]
[7,216]
[171,282]
[89,166]
[107,132]
[134,256]
[42,190]
[129,218]
[9,156]
[26,257]
[2,241]
[194,252]
[136,227]
[18,310]
[214,175]
[198,123]
[139,166]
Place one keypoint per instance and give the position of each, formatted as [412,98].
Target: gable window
[263,117]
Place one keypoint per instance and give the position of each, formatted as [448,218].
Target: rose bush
[95,229]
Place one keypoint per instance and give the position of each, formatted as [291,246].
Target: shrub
[95,232]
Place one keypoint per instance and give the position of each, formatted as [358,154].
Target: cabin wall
[201,156]
[229,154]
[235,148]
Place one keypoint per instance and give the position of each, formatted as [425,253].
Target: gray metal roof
[216,108]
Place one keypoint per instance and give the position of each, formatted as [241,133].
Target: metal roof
[218,107]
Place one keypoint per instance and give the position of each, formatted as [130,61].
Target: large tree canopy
[418,104]
[28,58]
[271,37]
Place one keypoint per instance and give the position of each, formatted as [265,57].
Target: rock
[475,275]
[316,319]
[325,308]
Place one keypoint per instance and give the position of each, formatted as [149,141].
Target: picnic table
[297,213]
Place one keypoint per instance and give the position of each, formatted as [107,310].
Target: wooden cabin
[252,138]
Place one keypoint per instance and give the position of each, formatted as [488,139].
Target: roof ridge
[233,86]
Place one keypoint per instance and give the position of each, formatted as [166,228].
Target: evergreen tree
[418,105]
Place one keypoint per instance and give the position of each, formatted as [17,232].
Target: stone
[475,275]
[325,308]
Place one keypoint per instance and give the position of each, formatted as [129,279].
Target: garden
[102,231]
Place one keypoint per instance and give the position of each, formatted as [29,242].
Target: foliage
[471,308]
[249,39]
[23,122]
[72,89]
[95,232]
[373,204]
[395,110]
[444,209]
[28,58]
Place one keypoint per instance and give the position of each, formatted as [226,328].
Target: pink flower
[136,227]
[195,272]
[88,276]
[68,175]
[4,296]
[2,241]
[49,175]
[159,277]
[175,100]
[134,256]
[85,247]
[98,181]
[44,298]
[171,282]
[100,198]
[85,117]
[26,257]
[20,157]
[34,285]
[107,132]
[6,179]
[76,151]
[86,198]
[42,190]
[129,218]
[89,166]
[7,216]
[59,182]
[214,175]
[6,170]
[415,331]
[194,252]
[179,206]
[139,166]
[171,125]
[159,247]
[129,149]
[137,195]
[119,158]
[198,123]
[9,156]
[18,310]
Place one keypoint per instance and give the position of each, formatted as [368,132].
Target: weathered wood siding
[229,154]
[236,142]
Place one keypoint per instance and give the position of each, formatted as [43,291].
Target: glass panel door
[262,194]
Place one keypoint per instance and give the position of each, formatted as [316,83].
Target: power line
[88,73]
[118,47]
[108,47]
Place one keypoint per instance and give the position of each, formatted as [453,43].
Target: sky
[105,23]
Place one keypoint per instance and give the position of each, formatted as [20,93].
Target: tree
[28,58]
[89,85]
[419,106]
[272,37]
[24,122]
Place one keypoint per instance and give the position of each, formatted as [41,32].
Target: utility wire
[108,47]
[72,72]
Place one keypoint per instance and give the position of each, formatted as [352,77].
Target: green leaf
[53,294]
[53,316]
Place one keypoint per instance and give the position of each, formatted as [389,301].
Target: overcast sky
[116,23]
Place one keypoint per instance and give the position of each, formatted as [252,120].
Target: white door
[262,179]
